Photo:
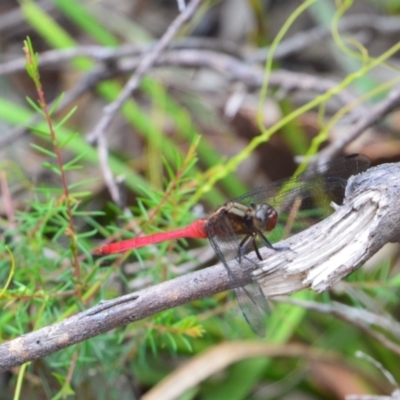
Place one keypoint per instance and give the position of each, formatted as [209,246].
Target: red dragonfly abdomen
[195,230]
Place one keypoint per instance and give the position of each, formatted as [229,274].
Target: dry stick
[316,258]
[181,5]
[111,183]
[15,19]
[306,39]
[101,73]
[55,57]
[112,314]
[358,317]
[231,67]
[292,45]
[376,113]
[237,70]
[133,83]
[145,64]
[7,200]
[395,395]
[59,57]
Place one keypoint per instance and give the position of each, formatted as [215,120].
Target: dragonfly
[240,225]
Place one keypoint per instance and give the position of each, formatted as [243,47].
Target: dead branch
[327,252]
[233,68]
[316,258]
[145,64]
[376,113]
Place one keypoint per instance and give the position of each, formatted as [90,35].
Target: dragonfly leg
[256,250]
[268,244]
[265,240]
[244,245]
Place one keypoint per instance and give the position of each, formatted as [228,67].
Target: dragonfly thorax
[242,219]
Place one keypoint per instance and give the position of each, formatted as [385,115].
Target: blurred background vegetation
[201,129]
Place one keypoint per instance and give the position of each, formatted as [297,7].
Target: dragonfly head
[265,217]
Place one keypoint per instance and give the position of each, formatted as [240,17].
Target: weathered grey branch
[317,258]
[327,252]
[112,314]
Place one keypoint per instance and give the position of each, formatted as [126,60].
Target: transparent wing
[251,300]
[330,178]
[305,199]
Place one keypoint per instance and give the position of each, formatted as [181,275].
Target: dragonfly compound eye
[265,217]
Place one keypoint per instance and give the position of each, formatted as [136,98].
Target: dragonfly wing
[303,200]
[251,309]
[250,297]
[325,178]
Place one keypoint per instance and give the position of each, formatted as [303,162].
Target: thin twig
[303,40]
[293,45]
[375,114]
[16,20]
[102,150]
[8,204]
[145,64]
[355,316]
[133,83]
[101,54]
[233,68]
[240,71]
